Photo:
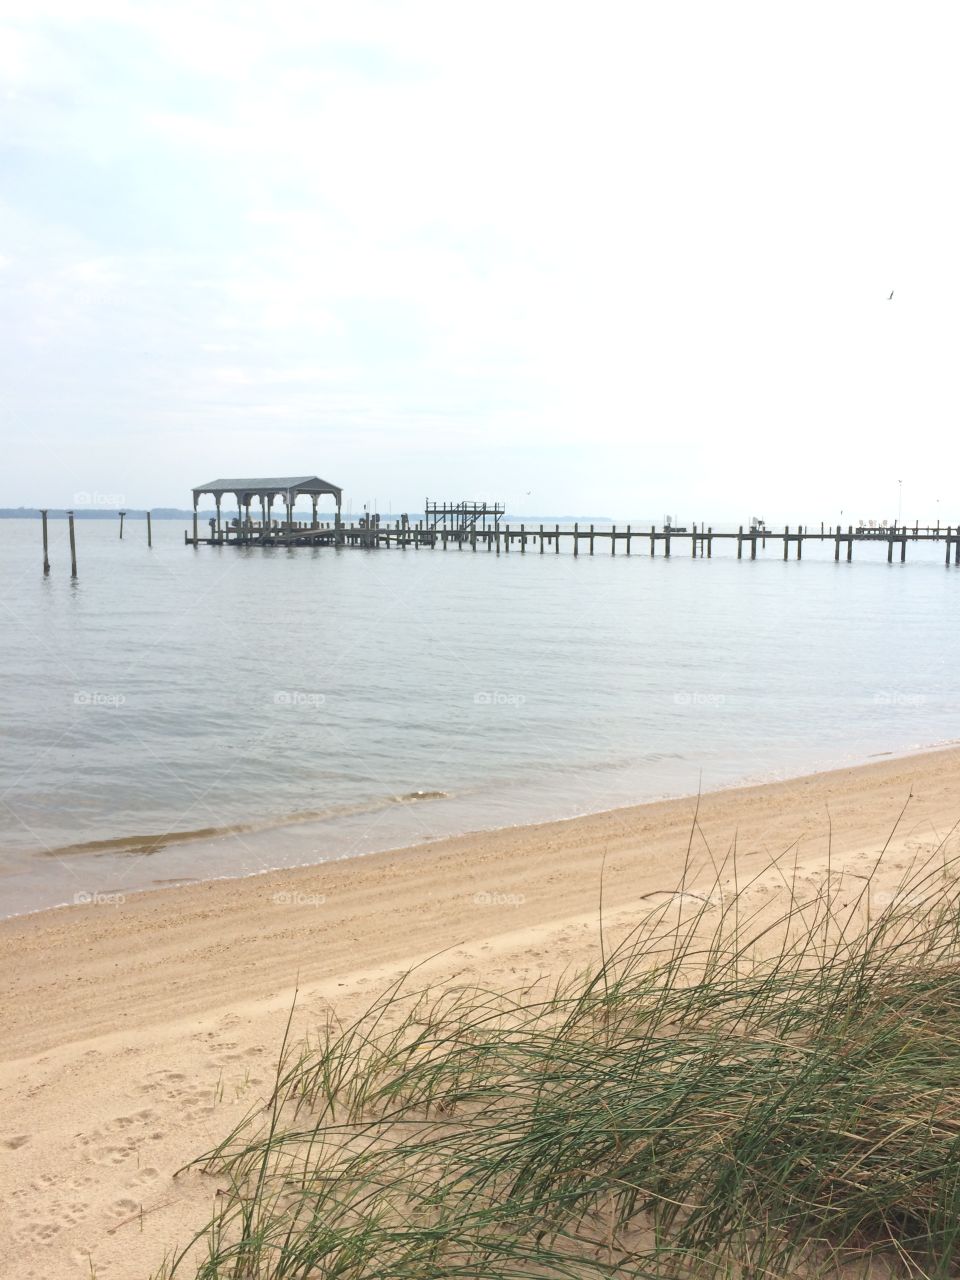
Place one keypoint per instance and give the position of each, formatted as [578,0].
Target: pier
[370,533]
[469,525]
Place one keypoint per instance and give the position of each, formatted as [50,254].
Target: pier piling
[46,560]
[73,546]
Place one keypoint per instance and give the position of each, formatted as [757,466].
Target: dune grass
[756,1082]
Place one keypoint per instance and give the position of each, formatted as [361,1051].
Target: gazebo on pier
[265,490]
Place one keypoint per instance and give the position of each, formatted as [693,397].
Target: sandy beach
[136,1033]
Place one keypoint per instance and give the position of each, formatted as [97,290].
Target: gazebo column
[246,510]
[269,510]
[290,502]
[196,497]
[314,523]
[218,514]
[263,512]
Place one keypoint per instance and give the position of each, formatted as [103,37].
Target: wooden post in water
[836,549]
[786,541]
[73,547]
[890,550]
[556,540]
[591,539]
[46,561]
[948,544]
[613,540]
[753,545]
[523,539]
[903,550]
[653,540]
[628,539]
[740,543]
[121,514]
[149,531]
[693,543]
[576,539]
[666,542]
[800,535]
[541,539]
[709,541]
[849,543]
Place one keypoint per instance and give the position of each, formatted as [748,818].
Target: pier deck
[695,540]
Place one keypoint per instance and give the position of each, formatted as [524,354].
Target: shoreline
[266,828]
[467,853]
[136,1034]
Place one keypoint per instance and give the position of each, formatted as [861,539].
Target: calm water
[304,704]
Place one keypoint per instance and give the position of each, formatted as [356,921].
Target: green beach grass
[752,1083]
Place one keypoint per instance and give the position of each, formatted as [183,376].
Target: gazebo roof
[269,485]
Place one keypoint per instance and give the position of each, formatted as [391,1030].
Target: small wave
[143,845]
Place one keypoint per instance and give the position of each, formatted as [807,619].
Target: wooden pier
[370,533]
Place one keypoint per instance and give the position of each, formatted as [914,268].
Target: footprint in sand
[17,1141]
[123,1208]
[114,1155]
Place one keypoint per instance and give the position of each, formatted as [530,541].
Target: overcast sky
[611,258]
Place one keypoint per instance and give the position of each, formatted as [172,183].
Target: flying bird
[890,299]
